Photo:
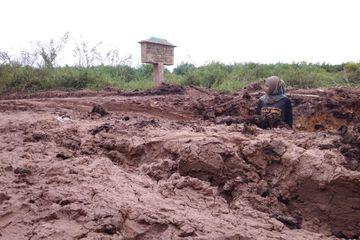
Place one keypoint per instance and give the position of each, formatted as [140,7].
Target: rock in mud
[103,127]
[289,221]
[22,171]
[37,136]
[64,155]
[145,123]
[100,110]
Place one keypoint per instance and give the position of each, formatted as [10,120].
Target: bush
[15,77]
[184,68]
[352,71]
[212,75]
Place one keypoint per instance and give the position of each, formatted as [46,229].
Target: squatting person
[275,106]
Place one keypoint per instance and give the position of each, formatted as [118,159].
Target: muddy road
[178,163]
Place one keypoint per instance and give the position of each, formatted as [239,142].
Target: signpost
[158,52]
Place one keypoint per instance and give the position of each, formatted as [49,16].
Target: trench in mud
[226,163]
[334,205]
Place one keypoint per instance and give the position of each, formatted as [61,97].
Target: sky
[264,31]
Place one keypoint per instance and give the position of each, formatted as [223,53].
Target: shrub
[184,68]
[17,77]
[352,71]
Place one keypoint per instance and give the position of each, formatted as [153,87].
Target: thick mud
[178,163]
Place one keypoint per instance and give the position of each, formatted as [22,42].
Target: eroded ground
[176,163]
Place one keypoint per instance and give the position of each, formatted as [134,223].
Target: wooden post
[158,74]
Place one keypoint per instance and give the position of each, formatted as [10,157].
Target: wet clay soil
[178,163]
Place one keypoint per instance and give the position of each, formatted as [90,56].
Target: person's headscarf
[276,91]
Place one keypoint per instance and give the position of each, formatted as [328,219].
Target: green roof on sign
[158,41]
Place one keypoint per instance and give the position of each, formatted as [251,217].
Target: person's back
[275,107]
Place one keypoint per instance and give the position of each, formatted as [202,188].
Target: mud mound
[314,110]
[164,89]
[179,165]
[57,94]
[326,110]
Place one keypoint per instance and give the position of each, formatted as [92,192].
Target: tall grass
[25,78]
[218,76]
[300,75]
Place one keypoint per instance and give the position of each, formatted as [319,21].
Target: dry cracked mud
[178,163]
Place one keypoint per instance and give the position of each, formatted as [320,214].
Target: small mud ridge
[178,163]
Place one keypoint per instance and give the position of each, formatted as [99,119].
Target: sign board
[158,52]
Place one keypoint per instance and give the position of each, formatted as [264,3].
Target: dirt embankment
[176,163]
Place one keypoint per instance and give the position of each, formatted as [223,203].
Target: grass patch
[218,76]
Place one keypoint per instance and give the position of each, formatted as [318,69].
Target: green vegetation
[301,75]
[23,78]
[38,70]
[214,75]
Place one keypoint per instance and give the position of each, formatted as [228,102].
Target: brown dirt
[174,163]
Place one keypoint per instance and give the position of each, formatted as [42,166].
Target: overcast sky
[265,31]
